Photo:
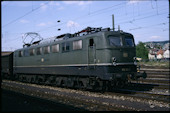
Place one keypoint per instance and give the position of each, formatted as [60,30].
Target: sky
[147,20]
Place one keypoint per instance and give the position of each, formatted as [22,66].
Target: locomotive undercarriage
[77,82]
[98,78]
[61,81]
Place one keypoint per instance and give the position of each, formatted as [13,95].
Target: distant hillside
[157,44]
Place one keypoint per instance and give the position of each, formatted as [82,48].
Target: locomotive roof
[69,37]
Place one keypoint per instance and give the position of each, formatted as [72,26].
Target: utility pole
[169,17]
[113,23]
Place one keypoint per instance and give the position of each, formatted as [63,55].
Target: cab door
[91,53]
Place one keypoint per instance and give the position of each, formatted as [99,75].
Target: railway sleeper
[20,78]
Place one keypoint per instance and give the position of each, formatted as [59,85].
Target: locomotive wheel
[76,85]
[120,84]
[107,86]
[80,85]
[41,79]
[32,80]
[104,86]
[62,84]
[20,78]
[28,79]
[96,87]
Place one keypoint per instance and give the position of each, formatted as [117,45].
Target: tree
[141,51]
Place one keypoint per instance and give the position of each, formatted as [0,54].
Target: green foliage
[141,51]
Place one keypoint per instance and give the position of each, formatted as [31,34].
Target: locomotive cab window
[129,41]
[115,41]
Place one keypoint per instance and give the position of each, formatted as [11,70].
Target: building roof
[160,52]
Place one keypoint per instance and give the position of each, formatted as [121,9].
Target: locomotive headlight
[113,59]
[134,59]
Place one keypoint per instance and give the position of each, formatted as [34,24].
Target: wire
[96,13]
[164,23]
[141,18]
[6,5]
[82,17]
[107,8]
[24,15]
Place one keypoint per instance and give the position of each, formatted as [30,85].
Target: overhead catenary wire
[91,14]
[130,21]
[81,17]
[24,15]
[164,23]
[76,18]
[142,18]
[4,6]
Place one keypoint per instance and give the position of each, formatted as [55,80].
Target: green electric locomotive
[91,58]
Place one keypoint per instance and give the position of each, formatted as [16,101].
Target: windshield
[115,41]
[129,42]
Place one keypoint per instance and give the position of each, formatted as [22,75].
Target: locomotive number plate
[125,54]
[125,69]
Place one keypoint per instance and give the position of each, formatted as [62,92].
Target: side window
[55,48]
[46,49]
[39,51]
[15,54]
[26,52]
[65,46]
[32,52]
[20,53]
[77,44]
[91,42]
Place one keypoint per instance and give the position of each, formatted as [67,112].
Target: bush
[142,51]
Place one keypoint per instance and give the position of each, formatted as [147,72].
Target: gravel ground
[93,101]
[17,102]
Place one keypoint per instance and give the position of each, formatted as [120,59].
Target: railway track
[23,103]
[154,94]
[159,78]
[89,100]
[149,94]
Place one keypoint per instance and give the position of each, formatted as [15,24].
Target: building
[152,55]
[160,54]
[166,54]
[166,46]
